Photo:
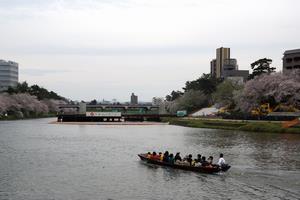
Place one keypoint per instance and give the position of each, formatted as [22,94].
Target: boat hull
[207,170]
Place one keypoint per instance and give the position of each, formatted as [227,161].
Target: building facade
[291,60]
[231,74]
[133,99]
[229,65]
[231,70]
[222,54]
[225,67]
[213,68]
[9,74]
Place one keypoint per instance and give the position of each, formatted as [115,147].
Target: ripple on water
[45,161]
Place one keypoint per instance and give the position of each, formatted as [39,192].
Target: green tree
[20,88]
[34,90]
[174,95]
[205,83]
[225,92]
[261,66]
[93,102]
[190,101]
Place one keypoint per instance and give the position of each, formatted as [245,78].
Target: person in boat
[177,157]
[155,156]
[198,164]
[166,156]
[198,159]
[190,159]
[149,155]
[160,156]
[210,160]
[185,157]
[221,161]
[171,159]
[204,163]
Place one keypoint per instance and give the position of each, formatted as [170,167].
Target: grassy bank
[254,126]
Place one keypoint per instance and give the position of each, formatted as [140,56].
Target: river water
[45,161]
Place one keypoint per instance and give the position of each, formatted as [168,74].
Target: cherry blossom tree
[24,104]
[274,89]
[223,96]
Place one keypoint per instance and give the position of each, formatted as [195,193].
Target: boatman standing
[221,161]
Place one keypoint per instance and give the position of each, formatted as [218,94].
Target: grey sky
[86,49]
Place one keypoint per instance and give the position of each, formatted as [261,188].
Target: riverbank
[242,125]
[14,117]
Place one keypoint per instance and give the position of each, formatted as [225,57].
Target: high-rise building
[291,60]
[222,55]
[213,68]
[225,67]
[133,99]
[9,74]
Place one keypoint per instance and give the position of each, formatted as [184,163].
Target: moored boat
[201,169]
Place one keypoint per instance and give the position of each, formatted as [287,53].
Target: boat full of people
[199,164]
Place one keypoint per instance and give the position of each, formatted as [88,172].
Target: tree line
[34,90]
[25,101]
[264,85]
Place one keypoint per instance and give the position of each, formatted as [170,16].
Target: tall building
[225,67]
[9,74]
[133,99]
[213,68]
[222,55]
[291,60]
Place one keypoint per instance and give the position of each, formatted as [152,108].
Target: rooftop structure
[230,64]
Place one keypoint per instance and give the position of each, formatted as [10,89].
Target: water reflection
[278,151]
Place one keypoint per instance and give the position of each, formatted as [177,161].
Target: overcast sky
[105,49]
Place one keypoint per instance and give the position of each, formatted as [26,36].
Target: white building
[291,60]
[9,74]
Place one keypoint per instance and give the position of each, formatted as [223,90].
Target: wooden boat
[207,170]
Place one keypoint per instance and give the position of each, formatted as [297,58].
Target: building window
[297,67]
[289,67]
[288,60]
[297,59]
